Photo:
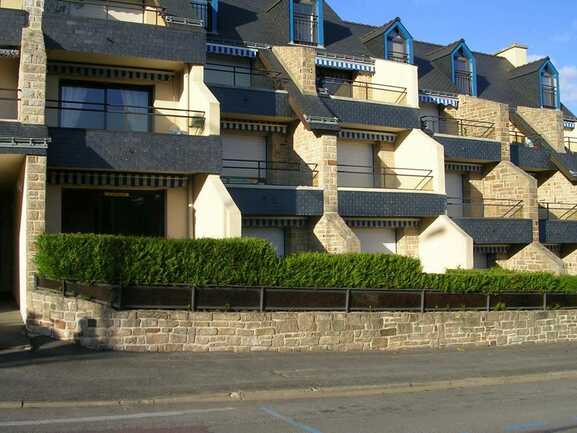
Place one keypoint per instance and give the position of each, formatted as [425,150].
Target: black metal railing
[9,100]
[235,298]
[364,176]
[112,10]
[306,29]
[484,208]
[262,172]
[521,139]
[202,12]
[361,90]
[464,82]
[398,56]
[570,144]
[558,211]
[133,118]
[460,127]
[549,96]
[239,76]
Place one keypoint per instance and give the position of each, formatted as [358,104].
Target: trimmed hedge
[252,262]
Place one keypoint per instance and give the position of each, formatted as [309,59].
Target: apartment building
[280,120]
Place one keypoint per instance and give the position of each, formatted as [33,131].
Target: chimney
[515,53]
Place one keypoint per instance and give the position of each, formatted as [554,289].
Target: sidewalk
[12,333]
[60,372]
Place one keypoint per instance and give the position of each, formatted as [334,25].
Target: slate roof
[567,114]
[529,68]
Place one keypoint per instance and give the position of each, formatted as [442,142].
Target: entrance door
[374,240]
[454,189]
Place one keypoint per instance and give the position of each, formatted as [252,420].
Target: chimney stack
[515,53]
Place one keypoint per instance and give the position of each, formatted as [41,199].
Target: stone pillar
[331,232]
[32,72]
[300,64]
[408,242]
[548,123]
[32,222]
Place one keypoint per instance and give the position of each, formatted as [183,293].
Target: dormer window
[398,43]
[206,11]
[307,22]
[549,86]
[464,70]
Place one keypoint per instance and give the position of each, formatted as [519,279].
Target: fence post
[120,297]
[545,301]
[193,299]
[488,304]
[423,301]
[348,301]
[262,296]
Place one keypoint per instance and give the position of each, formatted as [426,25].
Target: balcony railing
[364,176]
[484,208]
[9,100]
[262,172]
[549,96]
[463,81]
[361,90]
[202,13]
[133,118]
[460,127]
[398,56]
[558,211]
[306,29]
[570,144]
[111,10]
[238,76]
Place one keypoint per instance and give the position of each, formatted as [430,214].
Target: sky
[548,27]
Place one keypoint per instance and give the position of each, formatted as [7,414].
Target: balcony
[558,223]
[398,56]
[259,172]
[527,154]
[124,29]
[549,96]
[491,221]
[12,20]
[306,29]
[361,90]
[464,139]
[463,81]
[130,137]
[361,176]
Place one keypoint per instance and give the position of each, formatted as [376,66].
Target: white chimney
[516,54]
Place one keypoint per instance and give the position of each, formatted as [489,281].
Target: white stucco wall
[397,74]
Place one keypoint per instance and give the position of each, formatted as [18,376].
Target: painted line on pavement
[92,419]
[289,421]
[526,426]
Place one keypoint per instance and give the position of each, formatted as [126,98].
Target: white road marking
[92,419]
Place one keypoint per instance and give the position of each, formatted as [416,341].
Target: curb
[299,393]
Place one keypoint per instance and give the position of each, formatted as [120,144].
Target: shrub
[134,260]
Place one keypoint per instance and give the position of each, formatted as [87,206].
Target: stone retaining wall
[99,327]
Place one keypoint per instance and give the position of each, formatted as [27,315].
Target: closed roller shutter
[355,160]
[244,156]
[274,235]
[375,240]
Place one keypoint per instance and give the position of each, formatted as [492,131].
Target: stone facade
[300,64]
[32,79]
[535,257]
[98,327]
[559,192]
[408,242]
[547,122]
[334,236]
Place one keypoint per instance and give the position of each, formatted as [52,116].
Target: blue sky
[548,27]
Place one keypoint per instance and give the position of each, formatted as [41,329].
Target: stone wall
[408,242]
[99,327]
[547,122]
[558,189]
[334,236]
[535,257]
[473,108]
[300,64]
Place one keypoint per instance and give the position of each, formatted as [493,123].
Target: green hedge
[252,262]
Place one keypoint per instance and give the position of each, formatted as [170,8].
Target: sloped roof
[529,68]
[568,114]
[444,51]
[378,31]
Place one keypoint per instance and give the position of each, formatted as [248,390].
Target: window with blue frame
[549,78]
[464,70]
[307,22]
[399,44]
[206,11]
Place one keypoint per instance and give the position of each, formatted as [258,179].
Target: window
[397,47]
[464,70]
[101,106]
[307,23]
[549,86]
[463,75]
[116,212]
[335,82]
[202,10]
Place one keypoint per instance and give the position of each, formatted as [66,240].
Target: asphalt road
[527,408]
